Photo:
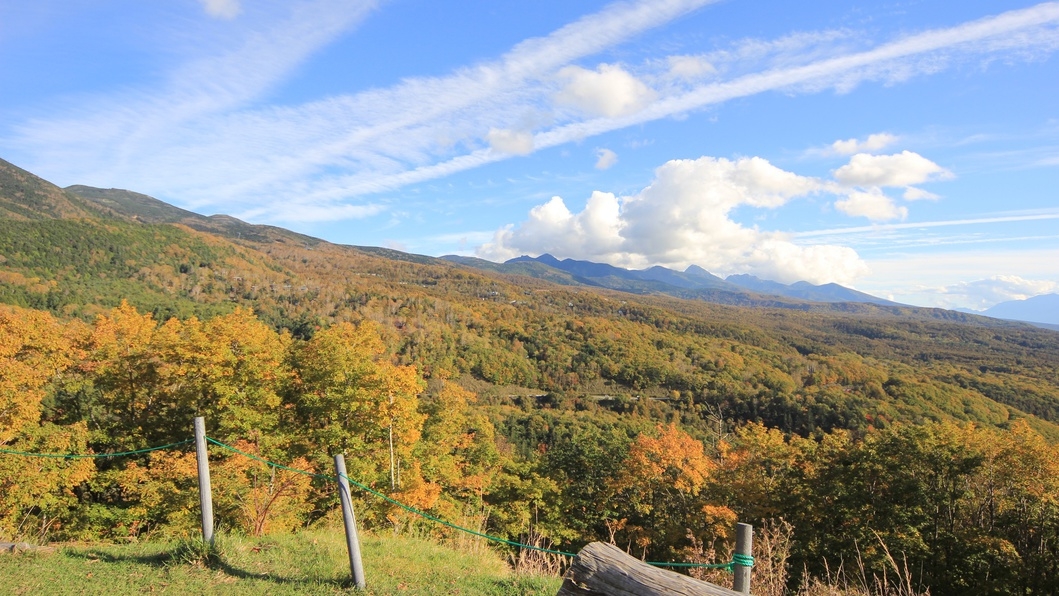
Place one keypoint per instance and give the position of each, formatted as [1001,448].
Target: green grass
[312,562]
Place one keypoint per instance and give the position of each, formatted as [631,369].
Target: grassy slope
[311,562]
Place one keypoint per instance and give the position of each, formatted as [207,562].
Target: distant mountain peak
[1038,309]
[545,258]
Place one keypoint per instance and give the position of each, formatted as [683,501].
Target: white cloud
[310,213]
[680,219]
[552,228]
[605,159]
[222,9]
[901,169]
[874,142]
[984,293]
[938,277]
[1035,215]
[607,91]
[514,142]
[326,150]
[202,140]
[917,194]
[873,205]
[689,67]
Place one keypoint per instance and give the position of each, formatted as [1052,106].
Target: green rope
[737,559]
[386,498]
[743,560]
[423,514]
[267,462]
[93,455]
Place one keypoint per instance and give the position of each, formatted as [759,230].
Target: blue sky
[908,149]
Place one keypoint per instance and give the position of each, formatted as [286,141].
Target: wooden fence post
[205,490]
[744,545]
[356,566]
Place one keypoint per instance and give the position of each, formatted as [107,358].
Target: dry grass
[772,548]
[527,561]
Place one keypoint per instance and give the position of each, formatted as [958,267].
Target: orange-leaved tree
[661,483]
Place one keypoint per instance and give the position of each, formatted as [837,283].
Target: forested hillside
[515,405]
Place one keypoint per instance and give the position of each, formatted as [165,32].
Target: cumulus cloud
[607,91]
[515,142]
[683,218]
[222,9]
[593,233]
[901,169]
[874,142]
[872,204]
[605,159]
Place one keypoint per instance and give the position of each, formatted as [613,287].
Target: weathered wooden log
[604,569]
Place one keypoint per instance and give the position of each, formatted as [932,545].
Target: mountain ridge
[692,283]
[134,206]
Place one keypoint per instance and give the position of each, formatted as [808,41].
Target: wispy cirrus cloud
[121,135]
[1037,215]
[203,143]
[804,67]
[203,140]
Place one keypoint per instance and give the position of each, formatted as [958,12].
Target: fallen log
[604,569]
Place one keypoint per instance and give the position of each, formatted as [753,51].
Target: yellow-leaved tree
[352,400]
[36,493]
[34,350]
[123,369]
[228,369]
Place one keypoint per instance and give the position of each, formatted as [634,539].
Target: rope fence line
[737,559]
[95,455]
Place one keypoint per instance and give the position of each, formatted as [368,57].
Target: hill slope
[800,366]
[24,196]
[138,207]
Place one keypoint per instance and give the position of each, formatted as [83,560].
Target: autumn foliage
[970,509]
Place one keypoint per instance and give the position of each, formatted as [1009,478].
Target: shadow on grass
[184,555]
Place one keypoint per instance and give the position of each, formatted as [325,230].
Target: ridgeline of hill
[800,366]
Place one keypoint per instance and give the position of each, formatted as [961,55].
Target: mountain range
[534,326]
[692,283]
